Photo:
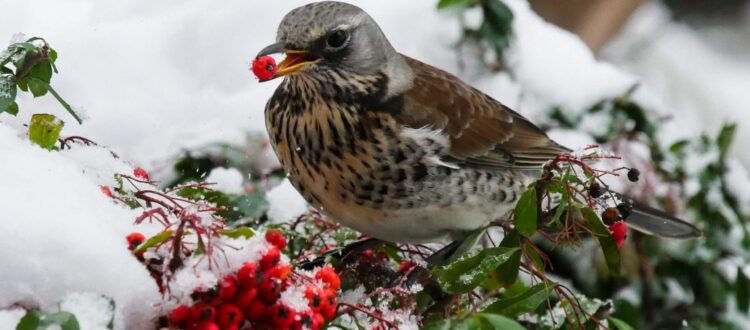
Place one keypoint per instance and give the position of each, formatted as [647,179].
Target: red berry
[141,174]
[329,277]
[610,215]
[106,191]
[328,307]
[304,320]
[179,314]
[264,67]
[318,321]
[245,297]
[271,258]
[202,312]
[134,239]
[279,271]
[249,275]
[207,325]
[256,310]
[228,287]
[276,238]
[281,315]
[314,297]
[405,266]
[270,289]
[619,231]
[228,314]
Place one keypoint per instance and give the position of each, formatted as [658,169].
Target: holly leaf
[525,302]
[8,93]
[153,241]
[44,130]
[467,273]
[525,215]
[609,247]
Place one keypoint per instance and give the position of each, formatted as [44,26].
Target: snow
[285,203]
[701,84]
[556,67]
[92,311]
[228,180]
[60,234]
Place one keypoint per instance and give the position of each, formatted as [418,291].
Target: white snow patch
[285,203]
[228,180]
[60,234]
[92,311]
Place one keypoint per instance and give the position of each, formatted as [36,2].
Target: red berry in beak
[264,67]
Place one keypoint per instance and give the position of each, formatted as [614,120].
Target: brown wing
[483,132]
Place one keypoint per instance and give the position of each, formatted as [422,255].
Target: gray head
[331,34]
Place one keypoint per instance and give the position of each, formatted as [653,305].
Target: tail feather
[651,221]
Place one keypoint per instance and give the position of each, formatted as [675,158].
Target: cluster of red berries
[264,67]
[252,295]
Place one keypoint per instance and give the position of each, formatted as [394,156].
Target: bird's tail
[651,221]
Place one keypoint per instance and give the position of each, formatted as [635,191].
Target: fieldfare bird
[395,148]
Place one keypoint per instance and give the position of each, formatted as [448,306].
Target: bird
[397,149]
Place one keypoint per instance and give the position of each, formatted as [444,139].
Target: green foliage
[526,302]
[154,241]
[44,130]
[467,273]
[34,320]
[525,215]
[609,247]
[34,63]
[495,31]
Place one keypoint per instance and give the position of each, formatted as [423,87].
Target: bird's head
[332,35]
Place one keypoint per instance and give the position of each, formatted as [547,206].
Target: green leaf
[534,256]
[742,291]
[30,321]
[7,93]
[66,321]
[12,109]
[609,247]
[442,4]
[112,306]
[499,322]
[467,245]
[525,215]
[725,138]
[44,130]
[39,78]
[507,273]
[465,274]
[526,302]
[245,232]
[153,241]
[252,205]
[450,324]
[619,324]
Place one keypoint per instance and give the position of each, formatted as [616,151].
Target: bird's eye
[337,39]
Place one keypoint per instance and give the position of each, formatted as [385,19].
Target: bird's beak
[295,59]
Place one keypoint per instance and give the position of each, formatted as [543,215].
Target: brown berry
[633,174]
[610,215]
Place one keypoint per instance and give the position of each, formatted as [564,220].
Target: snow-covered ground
[159,77]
